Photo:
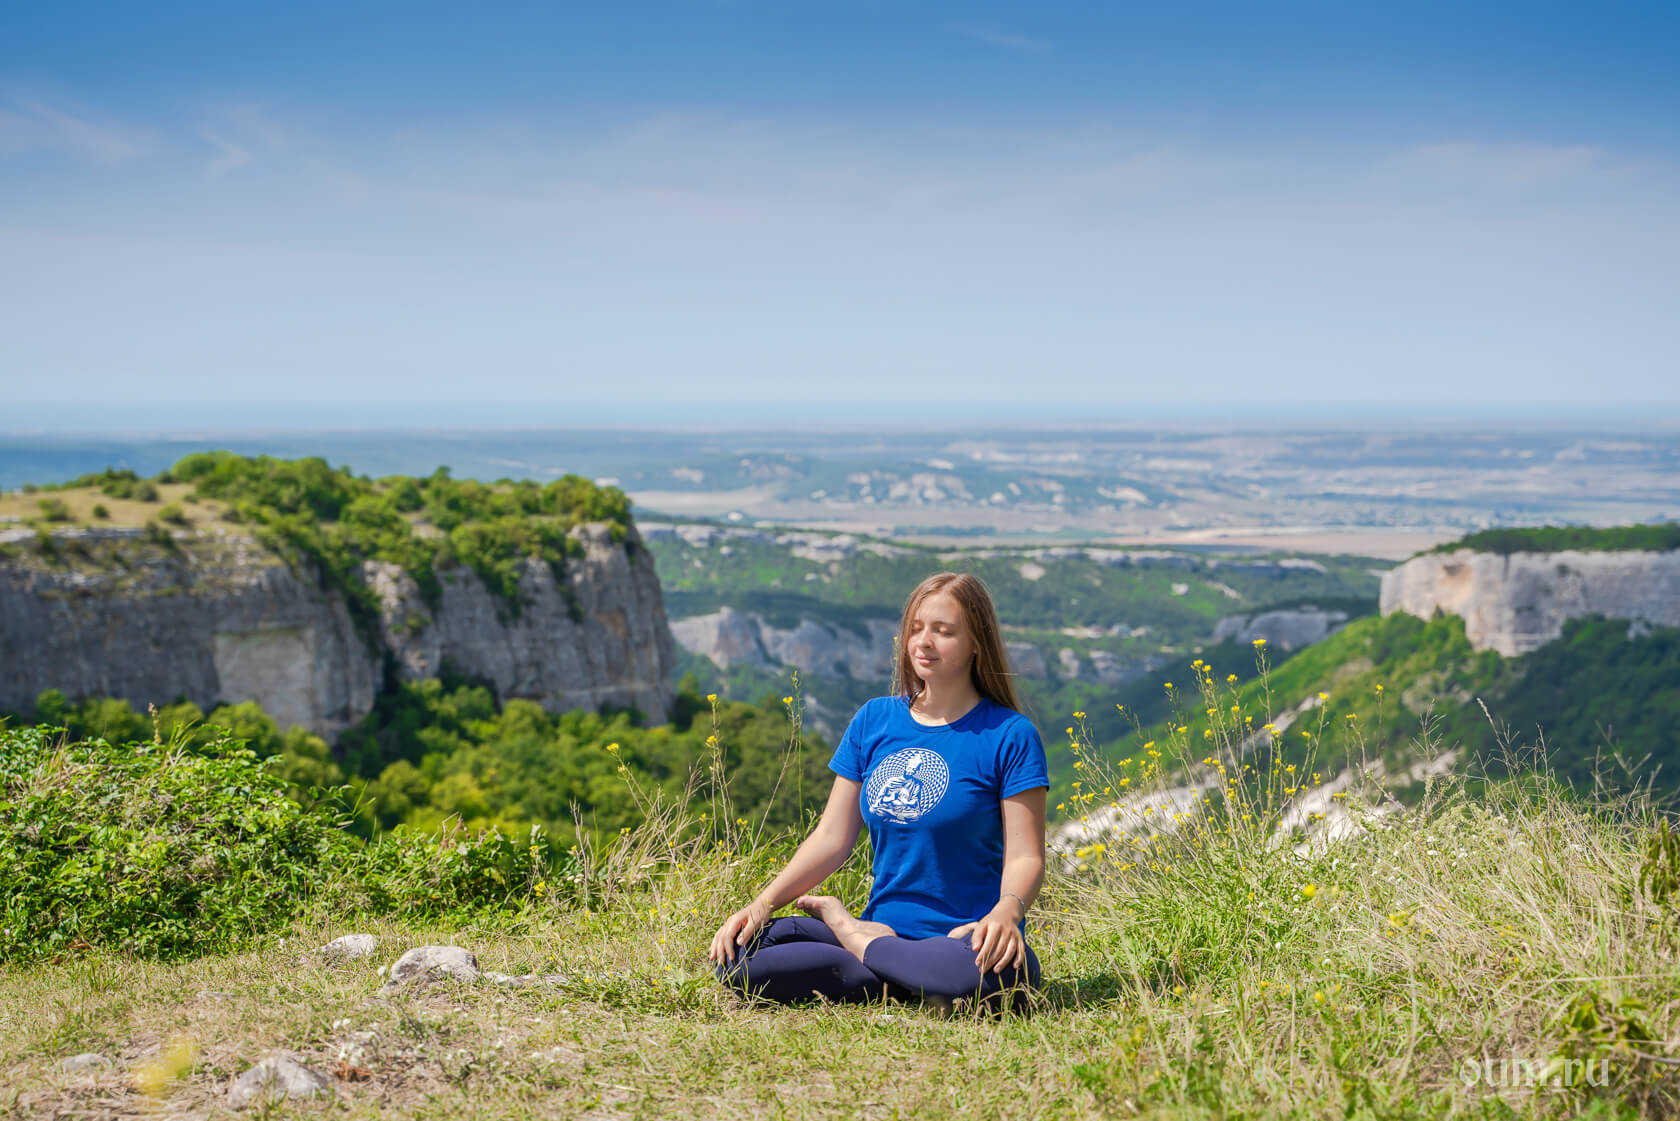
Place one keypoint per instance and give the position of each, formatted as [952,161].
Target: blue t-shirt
[930,798]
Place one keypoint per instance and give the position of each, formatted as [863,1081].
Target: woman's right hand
[737,929]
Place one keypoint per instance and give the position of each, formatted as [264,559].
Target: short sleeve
[849,760]
[1022,764]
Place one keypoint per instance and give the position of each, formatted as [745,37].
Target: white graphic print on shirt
[908,784]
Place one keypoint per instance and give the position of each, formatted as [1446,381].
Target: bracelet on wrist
[1017,899]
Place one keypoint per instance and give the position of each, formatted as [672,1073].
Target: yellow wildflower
[175,1061]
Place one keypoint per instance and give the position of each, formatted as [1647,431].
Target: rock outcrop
[1515,604]
[217,618]
[1289,629]
[597,636]
[730,638]
[1098,666]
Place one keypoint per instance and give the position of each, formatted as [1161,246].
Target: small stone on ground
[279,1075]
[349,948]
[432,963]
[86,1061]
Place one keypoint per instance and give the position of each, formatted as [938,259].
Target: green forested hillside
[1657,537]
[1592,696]
[437,750]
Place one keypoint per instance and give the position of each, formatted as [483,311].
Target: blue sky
[534,212]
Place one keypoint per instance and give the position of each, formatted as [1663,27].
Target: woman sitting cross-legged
[951,780]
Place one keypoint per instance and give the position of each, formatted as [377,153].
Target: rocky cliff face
[220,619]
[1289,629]
[598,637]
[730,638]
[1515,604]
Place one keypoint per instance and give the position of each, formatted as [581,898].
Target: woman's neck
[943,706]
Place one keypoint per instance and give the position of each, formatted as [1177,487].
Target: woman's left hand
[996,940]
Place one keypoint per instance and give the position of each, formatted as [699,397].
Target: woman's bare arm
[1023,848]
[822,853]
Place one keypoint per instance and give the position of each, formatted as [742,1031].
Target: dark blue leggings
[794,957]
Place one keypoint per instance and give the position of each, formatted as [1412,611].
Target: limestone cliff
[730,638]
[1289,629]
[1519,602]
[217,618]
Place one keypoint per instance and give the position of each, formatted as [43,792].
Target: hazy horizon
[27,419]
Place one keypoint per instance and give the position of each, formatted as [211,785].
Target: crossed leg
[793,958]
[853,933]
[939,970]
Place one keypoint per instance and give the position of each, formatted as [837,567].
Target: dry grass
[80,502]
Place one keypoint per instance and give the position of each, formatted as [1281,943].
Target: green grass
[1195,972]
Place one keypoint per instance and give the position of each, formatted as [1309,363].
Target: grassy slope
[1588,697]
[1223,979]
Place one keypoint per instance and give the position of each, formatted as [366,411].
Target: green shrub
[452,871]
[156,849]
[112,482]
[54,510]
[173,514]
[145,491]
[99,510]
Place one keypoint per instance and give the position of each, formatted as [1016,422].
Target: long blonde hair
[990,669]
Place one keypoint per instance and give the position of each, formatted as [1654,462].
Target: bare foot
[854,933]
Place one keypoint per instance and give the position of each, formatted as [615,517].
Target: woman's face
[940,644]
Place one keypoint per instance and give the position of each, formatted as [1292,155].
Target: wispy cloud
[1501,164]
[31,124]
[240,135]
[1022,44]
[229,156]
